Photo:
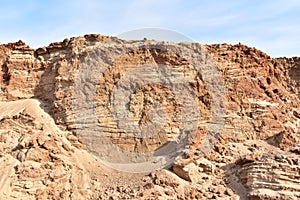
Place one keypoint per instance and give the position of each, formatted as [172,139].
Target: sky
[272,26]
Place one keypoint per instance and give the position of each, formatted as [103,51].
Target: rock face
[256,156]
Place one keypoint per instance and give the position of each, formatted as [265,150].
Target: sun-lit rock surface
[257,155]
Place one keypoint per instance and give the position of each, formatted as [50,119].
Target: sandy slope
[42,160]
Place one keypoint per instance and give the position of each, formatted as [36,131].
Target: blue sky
[270,25]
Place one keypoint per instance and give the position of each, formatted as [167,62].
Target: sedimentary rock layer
[256,155]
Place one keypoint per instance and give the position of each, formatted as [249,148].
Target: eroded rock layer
[256,156]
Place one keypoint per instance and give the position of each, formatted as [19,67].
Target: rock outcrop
[256,155]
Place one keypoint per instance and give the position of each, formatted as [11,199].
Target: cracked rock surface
[42,156]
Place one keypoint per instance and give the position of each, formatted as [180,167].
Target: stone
[255,156]
[193,171]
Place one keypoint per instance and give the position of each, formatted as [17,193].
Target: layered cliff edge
[257,155]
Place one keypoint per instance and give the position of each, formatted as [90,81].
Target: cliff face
[256,156]
[292,66]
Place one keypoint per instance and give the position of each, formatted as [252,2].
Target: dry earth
[42,156]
